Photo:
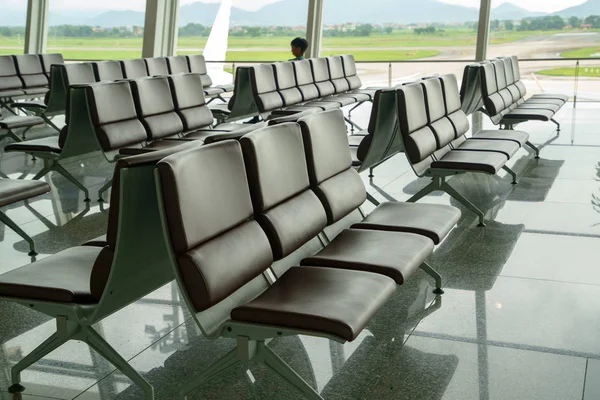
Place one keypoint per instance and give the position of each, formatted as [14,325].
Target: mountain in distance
[590,7]
[509,11]
[117,18]
[292,13]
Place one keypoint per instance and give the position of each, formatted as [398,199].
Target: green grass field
[378,47]
[581,53]
[593,72]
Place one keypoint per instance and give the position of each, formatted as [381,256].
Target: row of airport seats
[294,86]
[24,76]
[230,220]
[432,127]
[425,121]
[128,117]
[89,72]
[495,87]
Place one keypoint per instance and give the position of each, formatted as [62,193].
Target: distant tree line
[430,30]
[79,31]
[546,23]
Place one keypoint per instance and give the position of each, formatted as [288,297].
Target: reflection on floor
[519,319]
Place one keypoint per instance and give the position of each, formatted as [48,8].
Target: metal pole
[390,74]
[314,28]
[576,89]
[483,30]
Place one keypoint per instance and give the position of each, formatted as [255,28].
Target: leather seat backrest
[103,264]
[471,97]
[264,88]
[493,101]
[419,140]
[178,65]
[337,185]
[350,71]
[382,140]
[155,107]
[8,74]
[29,67]
[436,112]
[48,60]
[157,66]
[502,83]
[289,212]
[286,83]
[218,245]
[510,79]
[108,70]
[189,101]
[78,74]
[134,68]
[305,80]
[517,74]
[321,76]
[454,111]
[336,73]
[114,115]
[197,64]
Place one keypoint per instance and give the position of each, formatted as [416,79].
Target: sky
[533,5]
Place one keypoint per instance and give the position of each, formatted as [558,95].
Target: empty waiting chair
[10,84]
[197,64]
[134,68]
[108,70]
[178,65]
[157,66]
[48,60]
[31,72]
[334,179]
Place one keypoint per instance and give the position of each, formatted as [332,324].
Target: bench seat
[516,136]
[49,145]
[434,221]
[394,254]
[326,300]
[472,161]
[62,278]
[15,122]
[507,147]
[14,190]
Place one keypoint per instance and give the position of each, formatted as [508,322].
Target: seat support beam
[439,183]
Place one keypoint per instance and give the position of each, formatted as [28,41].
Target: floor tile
[546,316]
[429,368]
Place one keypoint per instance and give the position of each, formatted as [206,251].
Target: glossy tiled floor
[520,318]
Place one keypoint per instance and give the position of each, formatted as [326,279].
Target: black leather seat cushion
[506,147]
[13,190]
[432,220]
[326,300]
[517,136]
[473,161]
[63,277]
[394,254]
[49,145]
[532,115]
[15,122]
[154,146]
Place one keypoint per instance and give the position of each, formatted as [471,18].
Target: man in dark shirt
[299,46]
